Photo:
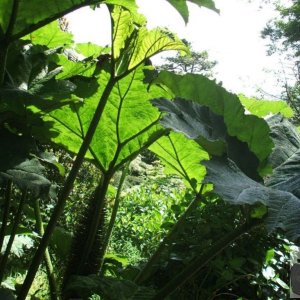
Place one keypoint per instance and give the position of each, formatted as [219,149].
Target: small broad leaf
[28,175]
[90,49]
[16,164]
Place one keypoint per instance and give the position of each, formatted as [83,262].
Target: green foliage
[156,203]
[286,27]
[263,108]
[247,128]
[95,103]
[181,157]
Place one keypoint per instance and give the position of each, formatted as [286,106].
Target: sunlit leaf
[129,121]
[51,36]
[262,108]
[133,43]
[181,157]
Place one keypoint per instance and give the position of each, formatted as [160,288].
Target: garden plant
[73,118]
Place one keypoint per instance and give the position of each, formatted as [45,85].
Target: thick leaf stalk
[58,210]
[5,43]
[191,269]
[49,266]
[114,213]
[147,271]
[13,234]
[6,209]
[94,224]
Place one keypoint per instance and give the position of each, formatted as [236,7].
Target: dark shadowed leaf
[235,187]
[17,165]
[285,157]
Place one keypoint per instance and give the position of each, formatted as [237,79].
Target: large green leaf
[199,123]
[263,108]
[133,44]
[181,157]
[182,8]
[50,36]
[129,121]
[235,187]
[20,17]
[247,128]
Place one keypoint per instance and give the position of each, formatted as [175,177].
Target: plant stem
[6,40]
[13,234]
[190,270]
[3,57]
[65,191]
[51,276]
[94,225]
[146,272]
[5,216]
[114,214]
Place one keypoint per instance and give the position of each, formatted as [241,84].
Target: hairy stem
[13,234]
[65,192]
[191,269]
[114,213]
[54,295]
[146,272]
[6,209]
[94,225]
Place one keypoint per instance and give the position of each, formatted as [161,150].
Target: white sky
[231,37]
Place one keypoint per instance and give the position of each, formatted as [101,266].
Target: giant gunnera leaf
[128,124]
[247,128]
[209,130]
[285,157]
[237,188]
[132,44]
